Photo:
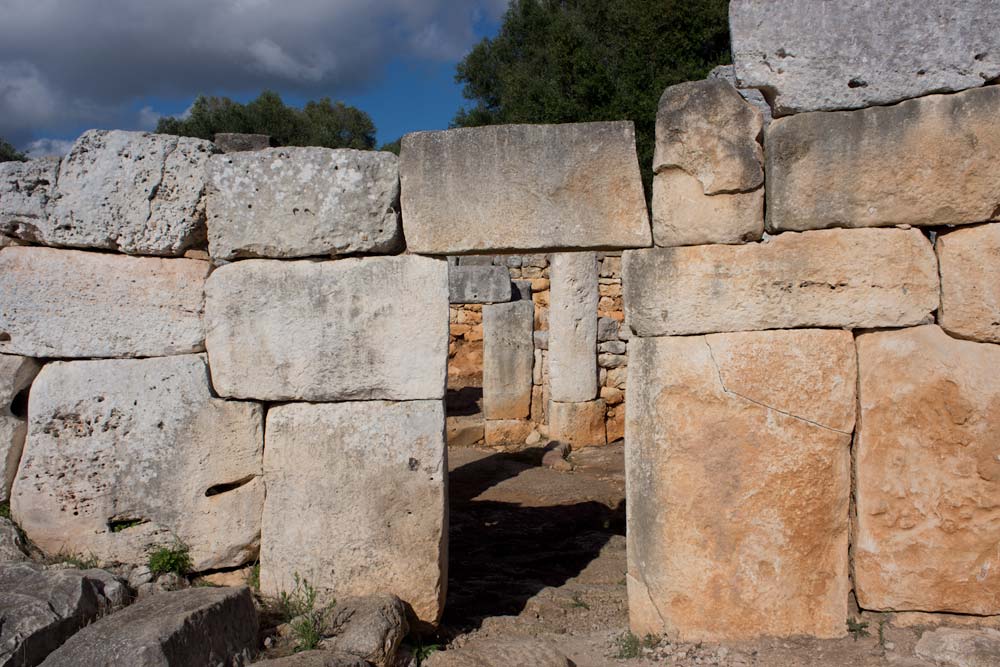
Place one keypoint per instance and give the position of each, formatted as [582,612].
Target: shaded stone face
[821,56]
[738,471]
[481,284]
[16,374]
[970,282]
[25,191]
[508,359]
[572,336]
[552,186]
[926,162]
[927,472]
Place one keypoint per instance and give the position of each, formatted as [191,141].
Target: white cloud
[47,147]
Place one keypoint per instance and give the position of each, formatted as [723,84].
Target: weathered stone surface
[508,359]
[372,328]
[365,482]
[970,282]
[684,215]
[125,456]
[553,186]
[464,430]
[573,327]
[578,424]
[370,627]
[234,142]
[198,627]
[856,53]
[25,191]
[751,95]
[927,472]
[303,201]
[707,130]
[11,544]
[738,470]
[16,374]
[501,653]
[480,284]
[930,161]
[315,659]
[66,303]
[850,278]
[965,647]
[507,432]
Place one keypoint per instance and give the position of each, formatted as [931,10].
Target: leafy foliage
[857,628]
[5,510]
[10,154]
[170,559]
[298,608]
[322,123]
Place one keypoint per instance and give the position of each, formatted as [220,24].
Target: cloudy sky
[69,65]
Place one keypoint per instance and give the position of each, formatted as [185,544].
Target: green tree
[560,61]
[10,154]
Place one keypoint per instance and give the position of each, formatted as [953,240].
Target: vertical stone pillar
[508,358]
[573,327]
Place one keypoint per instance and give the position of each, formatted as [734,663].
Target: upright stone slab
[927,473]
[738,478]
[573,327]
[928,162]
[365,484]
[578,424]
[125,456]
[25,191]
[845,278]
[970,282]
[479,284]
[508,359]
[372,328]
[70,304]
[554,187]
[303,201]
[849,54]
[16,374]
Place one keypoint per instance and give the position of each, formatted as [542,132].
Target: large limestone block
[707,130]
[927,473]
[303,201]
[553,187]
[25,191]
[684,215]
[508,359]
[573,327]
[848,278]
[738,471]
[479,284]
[16,374]
[810,55]
[125,456]
[68,304]
[970,282]
[356,501]
[371,328]
[578,424]
[931,161]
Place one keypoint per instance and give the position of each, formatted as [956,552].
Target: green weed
[628,646]
[165,559]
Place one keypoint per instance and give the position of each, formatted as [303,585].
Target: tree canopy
[10,154]
[559,61]
[322,123]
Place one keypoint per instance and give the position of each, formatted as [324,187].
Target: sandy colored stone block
[573,327]
[16,374]
[25,191]
[738,481]
[927,472]
[507,432]
[365,482]
[845,278]
[925,162]
[70,304]
[508,359]
[125,456]
[578,424]
[568,186]
[970,282]
[349,329]
[303,201]
[684,215]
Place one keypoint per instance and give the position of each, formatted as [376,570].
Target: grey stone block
[233,142]
[478,284]
[573,327]
[508,358]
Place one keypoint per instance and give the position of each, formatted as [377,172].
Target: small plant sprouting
[628,646]
[301,600]
[125,524]
[307,630]
[857,628]
[298,608]
[579,603]
[881,634]
[423,651]
[165,559]
[5,511]
[253,581]
[79,561]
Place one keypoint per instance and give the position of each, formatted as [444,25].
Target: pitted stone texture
[301,202]
[927,472]
[365,482]
[372,328]
[821,56]
[970,282]
[845,278]
[111,443]
[738,471]
[370,627]
[480,284]
[135,192]
[578,424]
[70,304]
[925,162]
[707,130]
[568,186]
[25,191]
[12,547]
[684,215]
[16,374]
[573,326]
[234,142]
[960,647]
[501,653]
[508,359]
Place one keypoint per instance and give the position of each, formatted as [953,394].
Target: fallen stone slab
[197,627]
[927,473]
[508,359]
[371,627]
[501,653]
[70,304]
[16,374]
[126,456]
[371,328]
[569,186]
[810,56]
[303,201]
[739,479]
[365,482]
[925,162]
[480,284]
[572,335]
[970,282]
[960,647]
[845,278]
[25,191]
